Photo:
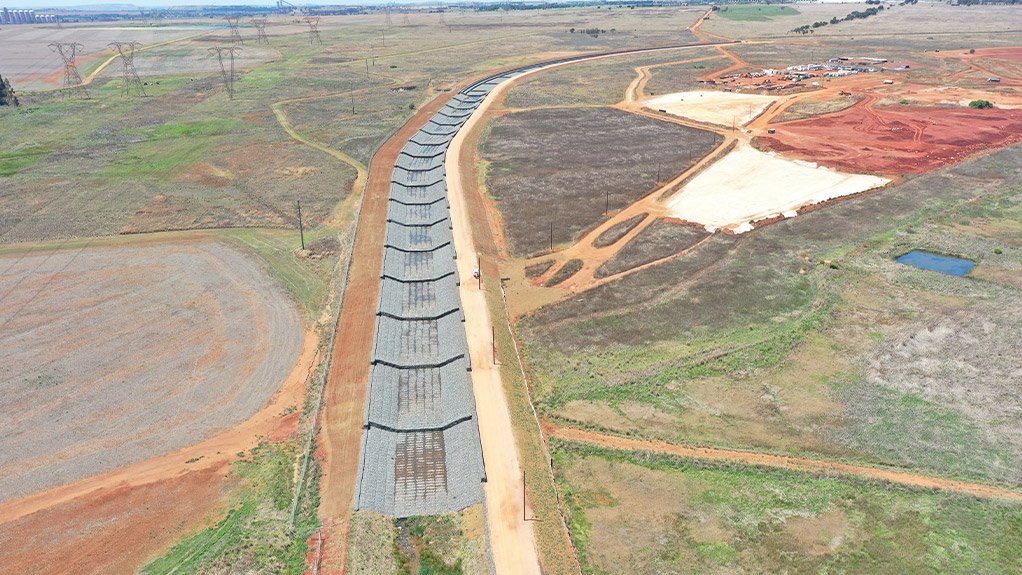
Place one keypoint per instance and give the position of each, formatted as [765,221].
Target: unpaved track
[512,543]
[816,466]
[345,395]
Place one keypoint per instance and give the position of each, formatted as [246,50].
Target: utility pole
[551,237]
[313,22]
[352,92]
[232,23]
[129,75]
[227,77]
[606,209]
[301,227]
[260,26]
[72,79]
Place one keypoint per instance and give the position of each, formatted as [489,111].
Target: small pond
[936,262]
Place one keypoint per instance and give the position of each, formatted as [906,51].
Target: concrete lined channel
[421,451]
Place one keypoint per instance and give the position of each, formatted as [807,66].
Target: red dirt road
[785,462]
[896,140]
[344,400]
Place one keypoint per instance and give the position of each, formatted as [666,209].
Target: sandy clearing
[748,185]
[721,108]
[111,355]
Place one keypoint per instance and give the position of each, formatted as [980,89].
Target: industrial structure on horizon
[8,16]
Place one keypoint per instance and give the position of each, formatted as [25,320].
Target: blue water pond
[936,262]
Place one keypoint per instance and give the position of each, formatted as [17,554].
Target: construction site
[495,289]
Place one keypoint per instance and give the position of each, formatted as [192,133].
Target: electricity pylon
[313,22]
[260,25]
[129,76]
[72,79]
[228,77]
[232,22]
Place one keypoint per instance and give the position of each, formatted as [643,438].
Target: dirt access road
[512,544]
[816,466]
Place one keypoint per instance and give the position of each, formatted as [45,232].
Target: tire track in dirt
[803,464]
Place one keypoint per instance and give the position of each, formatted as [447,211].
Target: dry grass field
[661,514]
[598,151]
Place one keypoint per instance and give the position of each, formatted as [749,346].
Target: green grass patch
[252,537]
[307,280]
[752,13]
[779,521]
[906,429]
[648,373]
[13,162]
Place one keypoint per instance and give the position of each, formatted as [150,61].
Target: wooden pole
[301,227]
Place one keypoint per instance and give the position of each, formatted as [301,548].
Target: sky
[42,4]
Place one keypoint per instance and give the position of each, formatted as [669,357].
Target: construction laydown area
[748,186]
[149,361]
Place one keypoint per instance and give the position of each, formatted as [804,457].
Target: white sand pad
[748,185]
[720,108]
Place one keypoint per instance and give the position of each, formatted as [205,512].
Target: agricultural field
[187,376]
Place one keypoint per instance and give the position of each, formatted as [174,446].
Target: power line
[228,77]
[72,79]
[129,76]
[260,25]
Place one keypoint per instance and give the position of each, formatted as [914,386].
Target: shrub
[981,104]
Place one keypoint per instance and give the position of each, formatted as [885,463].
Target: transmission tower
[227,72]
[129,76]
[404,20]
[388,22]
[313,22]
[260,25]
[72,79]
[232,22]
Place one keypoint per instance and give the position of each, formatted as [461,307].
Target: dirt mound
[897,139]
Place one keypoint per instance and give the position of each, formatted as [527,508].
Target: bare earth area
[896,139]
[109,356]
[722,108]
[748,185]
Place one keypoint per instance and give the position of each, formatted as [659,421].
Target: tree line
[856,15]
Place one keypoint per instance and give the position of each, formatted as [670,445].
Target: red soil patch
[113,530]
[896,140]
